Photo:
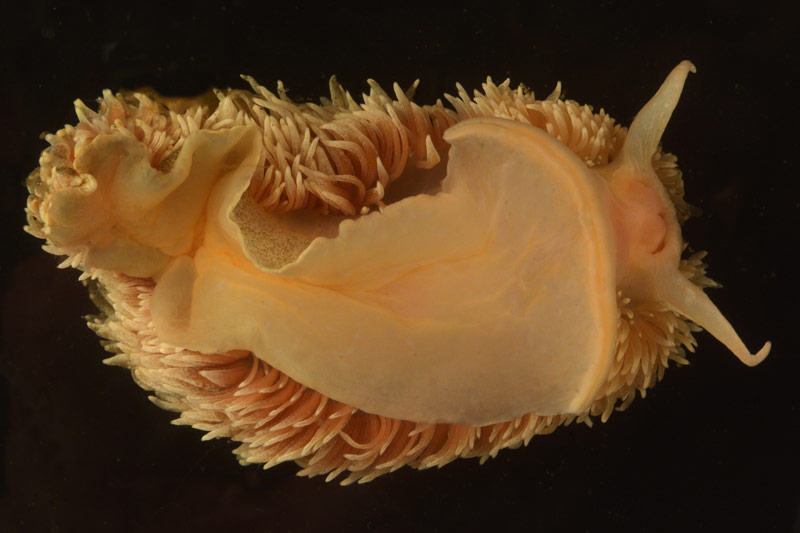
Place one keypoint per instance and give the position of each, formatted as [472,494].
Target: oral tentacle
[690,301]
[649,124]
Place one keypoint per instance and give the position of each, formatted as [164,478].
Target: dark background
[714,446]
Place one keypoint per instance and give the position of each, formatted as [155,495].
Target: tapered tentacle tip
[687,65]
[753,360]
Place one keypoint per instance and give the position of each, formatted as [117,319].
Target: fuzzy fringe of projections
[336,157]
[276,419]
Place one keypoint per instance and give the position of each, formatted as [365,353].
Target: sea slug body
[362,286]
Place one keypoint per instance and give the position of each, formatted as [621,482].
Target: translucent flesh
[484,302]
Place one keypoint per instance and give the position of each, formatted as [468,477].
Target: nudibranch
[361,286]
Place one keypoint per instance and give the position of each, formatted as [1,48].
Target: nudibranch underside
[254,271]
